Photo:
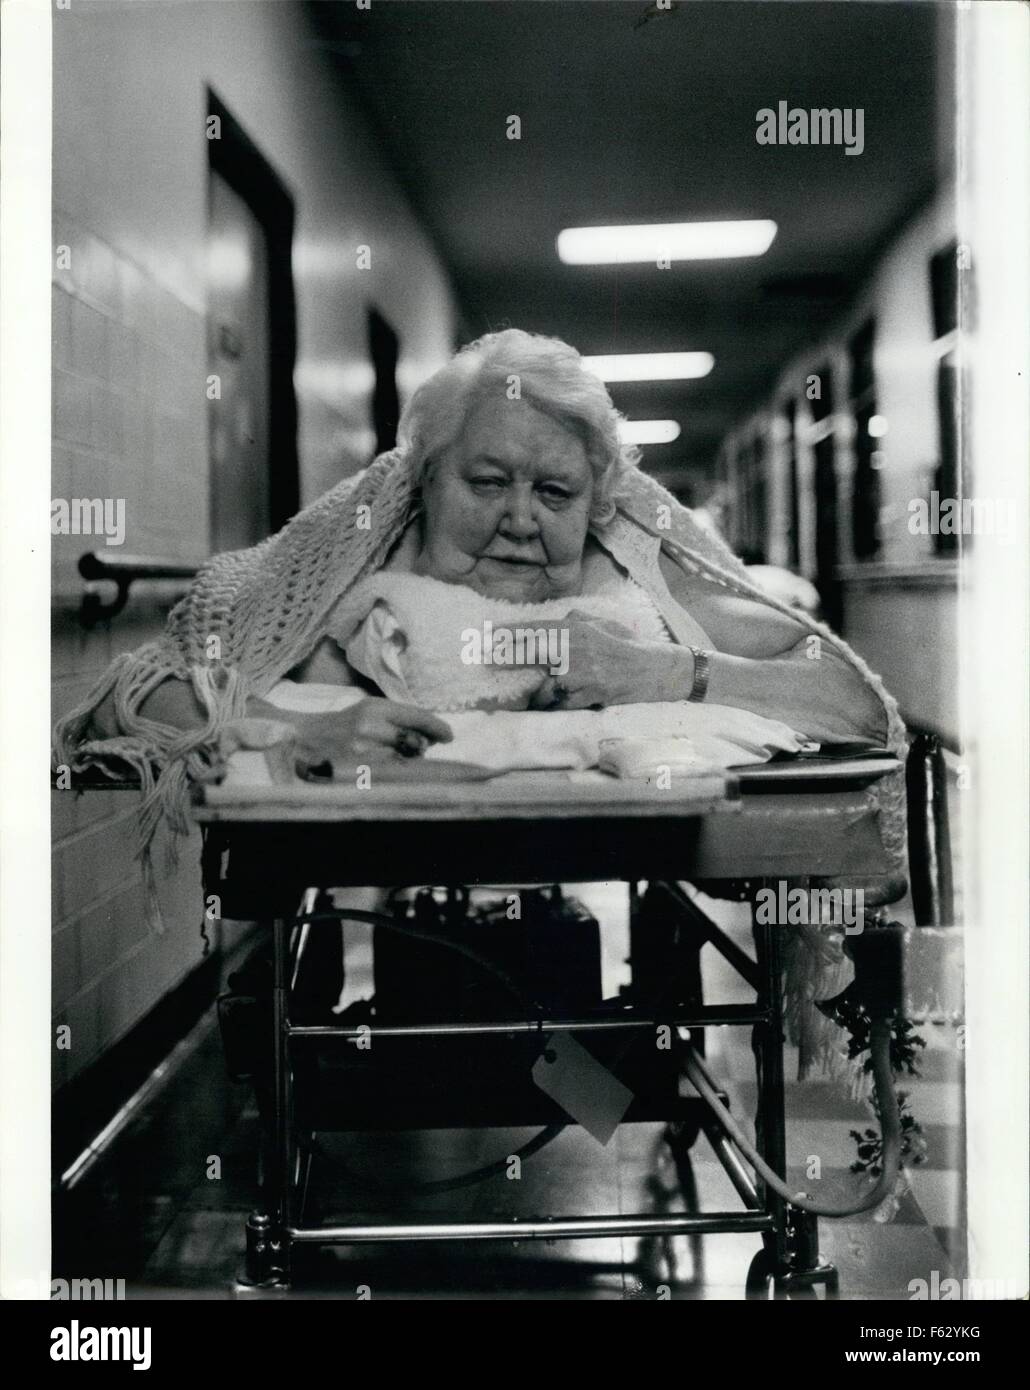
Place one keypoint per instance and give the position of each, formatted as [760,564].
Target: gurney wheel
[266,1262]
[763,1282]
[761,1278]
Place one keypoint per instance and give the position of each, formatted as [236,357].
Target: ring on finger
[409,743]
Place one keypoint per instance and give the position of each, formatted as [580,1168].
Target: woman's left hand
[607,665]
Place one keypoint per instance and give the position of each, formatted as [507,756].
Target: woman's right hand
[374,729]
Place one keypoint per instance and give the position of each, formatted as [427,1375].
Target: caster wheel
[762,1283]
[761,1279]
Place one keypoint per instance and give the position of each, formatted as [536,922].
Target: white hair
[547,373]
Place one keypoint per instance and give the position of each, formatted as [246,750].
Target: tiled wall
[128,372]
[130,200]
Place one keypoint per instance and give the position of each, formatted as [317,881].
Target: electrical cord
[532,1146]
[380,919]
[890,1118]
[883,1081]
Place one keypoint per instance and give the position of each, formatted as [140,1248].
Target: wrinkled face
[507,505]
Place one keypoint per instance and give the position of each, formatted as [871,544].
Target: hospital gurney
[267,848]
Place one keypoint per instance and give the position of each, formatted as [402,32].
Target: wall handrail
[122,571]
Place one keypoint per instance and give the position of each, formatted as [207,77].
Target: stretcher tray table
[767,821]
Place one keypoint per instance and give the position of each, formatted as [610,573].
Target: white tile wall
[129,409]
[130,423]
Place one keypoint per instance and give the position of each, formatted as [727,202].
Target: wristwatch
[702,670]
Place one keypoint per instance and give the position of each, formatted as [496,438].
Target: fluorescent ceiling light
[672,241]
[651,366]
[648,431]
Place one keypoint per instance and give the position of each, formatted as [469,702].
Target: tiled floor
[166,1208]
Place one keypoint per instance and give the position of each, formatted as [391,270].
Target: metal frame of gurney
[267,848]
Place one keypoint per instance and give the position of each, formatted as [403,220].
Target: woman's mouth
[514,562]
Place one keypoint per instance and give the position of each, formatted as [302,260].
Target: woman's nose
[519,520]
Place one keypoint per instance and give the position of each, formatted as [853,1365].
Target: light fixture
[877,426]
[651,366]
[648,431]
[671,241]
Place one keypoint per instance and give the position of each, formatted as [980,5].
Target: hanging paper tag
[583,1088]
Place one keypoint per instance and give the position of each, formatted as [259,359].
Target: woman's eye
[552,493]
[487,483]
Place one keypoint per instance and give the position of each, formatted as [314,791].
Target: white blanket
[709,735]
[445,647]
[509,740]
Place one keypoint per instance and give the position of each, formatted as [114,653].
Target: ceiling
[633,115]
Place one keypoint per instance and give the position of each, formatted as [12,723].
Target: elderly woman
[509,480]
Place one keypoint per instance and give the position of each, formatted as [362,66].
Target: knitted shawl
[252,615]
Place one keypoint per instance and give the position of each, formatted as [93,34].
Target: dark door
[827,550]
[252,338]
[866,489]
[384,346]
[238,363]
[794,539]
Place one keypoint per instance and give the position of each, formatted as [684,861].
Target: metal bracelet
[702,671]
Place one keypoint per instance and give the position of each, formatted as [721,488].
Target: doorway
[384,347]
[251,341]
